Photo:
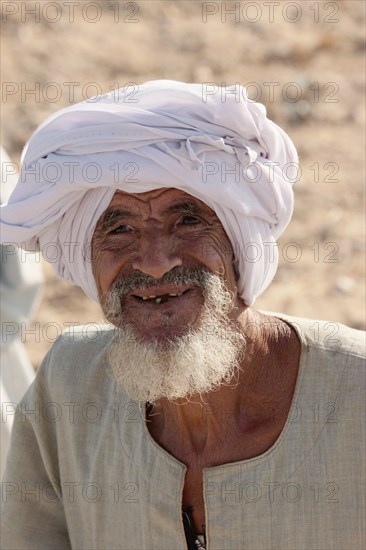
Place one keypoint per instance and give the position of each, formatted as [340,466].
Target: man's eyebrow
[189,208]
[111,217]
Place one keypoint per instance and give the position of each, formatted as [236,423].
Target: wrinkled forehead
[158,202]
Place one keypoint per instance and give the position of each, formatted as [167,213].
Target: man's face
[163,267]
[151,234]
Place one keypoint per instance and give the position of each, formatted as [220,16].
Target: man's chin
[173,368]
[173,355]
[161,338]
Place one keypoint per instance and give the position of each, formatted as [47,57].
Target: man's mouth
[158,296]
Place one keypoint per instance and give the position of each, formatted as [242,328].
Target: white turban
[213,143]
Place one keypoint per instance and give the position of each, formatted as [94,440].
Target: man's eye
[189,220]
[121,229]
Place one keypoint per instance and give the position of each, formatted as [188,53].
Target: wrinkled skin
[153,241]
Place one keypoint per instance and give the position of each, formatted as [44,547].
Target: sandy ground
[305,61]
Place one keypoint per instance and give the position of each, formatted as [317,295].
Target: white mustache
[179,275]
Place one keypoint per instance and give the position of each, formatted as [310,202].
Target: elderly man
[194,420]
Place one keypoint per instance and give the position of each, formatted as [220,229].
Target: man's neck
[256,402]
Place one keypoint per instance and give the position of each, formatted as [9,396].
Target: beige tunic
[84,473]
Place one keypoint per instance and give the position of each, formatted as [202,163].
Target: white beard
[198,362]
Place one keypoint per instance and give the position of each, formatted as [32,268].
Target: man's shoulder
[331,336]
[84,338]
[84,343]
[78,354]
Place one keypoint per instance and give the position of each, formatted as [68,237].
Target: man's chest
[235,447]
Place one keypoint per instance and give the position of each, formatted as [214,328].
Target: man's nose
[156,257]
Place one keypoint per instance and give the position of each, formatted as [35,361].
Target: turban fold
[216,145]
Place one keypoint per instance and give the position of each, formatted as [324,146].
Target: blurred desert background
[304,60]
